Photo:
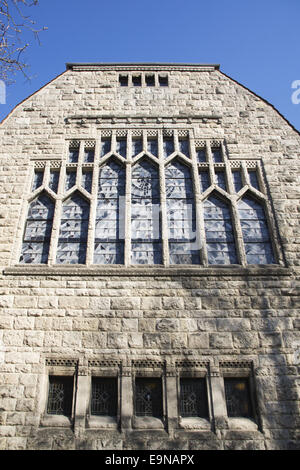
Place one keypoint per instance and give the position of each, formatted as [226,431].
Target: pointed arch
[220,242]
[256,237]
[73,232]
[110,210]
[145,214]
[37,234]
[181,214]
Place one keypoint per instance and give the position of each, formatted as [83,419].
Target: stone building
[149,264]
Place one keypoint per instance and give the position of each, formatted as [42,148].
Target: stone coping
[122,271]
[131,66]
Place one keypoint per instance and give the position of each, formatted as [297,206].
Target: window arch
[73,232]
[110,210]
[220,243]
[181,214]
[257,242]
[36,240]
[145,218]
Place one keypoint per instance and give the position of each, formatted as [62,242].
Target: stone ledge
[196,271]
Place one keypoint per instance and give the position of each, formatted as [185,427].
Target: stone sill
[102,422]
[147,422]
[161,271]
[54,421]
[194,424]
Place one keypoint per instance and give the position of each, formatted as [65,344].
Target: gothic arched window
[257,242]
[110,210]
[219,234]
[36,240]
[145,218]
[181,215]
[73,231]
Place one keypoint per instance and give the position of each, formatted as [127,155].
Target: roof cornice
[140,66]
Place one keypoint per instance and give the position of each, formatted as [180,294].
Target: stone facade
[161,321]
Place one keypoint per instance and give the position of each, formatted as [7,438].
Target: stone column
[218,400]
[126,399]
[82,396]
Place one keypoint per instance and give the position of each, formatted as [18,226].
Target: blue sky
[256,42]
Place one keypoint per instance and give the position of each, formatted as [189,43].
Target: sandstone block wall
[212,321]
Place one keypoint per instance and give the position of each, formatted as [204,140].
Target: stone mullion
[238,232]
[93,207]
[57,216]
[46,176]
[163,201]
[200,232]
[80,161]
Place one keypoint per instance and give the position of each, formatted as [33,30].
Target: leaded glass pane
[87,177]
[204,179]
[152,147]
[105,146]
[181,215]
[220,179]
[88,156]
[137,146]
[104,400]
[37,179]
[184,147]
[258,246]
[237,180]
[70,179]
[237,395]
[121,147]
[73,231]
[145,214]
[168,146]
[253,179]
[60,396]
[148,397]
[53,181]
[36,241]
[193,398]
[110,213]
[73,155]
[216,155]
[201,155]
[220,241]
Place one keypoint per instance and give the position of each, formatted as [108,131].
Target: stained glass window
[53,181]
[37,179]
[181,215]
[201,155]
[148,397]
[88,156]
[110,211]
[60,395]
[193,397]
[258,246]
[184,147]
[219,232]
[70,179]
[204,179]
[105,146]
[87,177]
[168,146]
[73,231]
[137,146]
[152,146]
[253,179]
[237,395]
[73,155]
[145,219]
[237,180]
[36,240]
[104,400]
[121,147]
[216,155]
[220,179]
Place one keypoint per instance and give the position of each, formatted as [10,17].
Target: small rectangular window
[148,397]
[150,80]
[73,155]
[60,395]
[216,155]
[37,179]
[88,156]
[104,400]
[137,80]
[123,80]
[201,155]
[193,398]
[163,80]
[238,399]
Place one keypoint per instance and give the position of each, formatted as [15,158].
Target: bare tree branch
[14,25]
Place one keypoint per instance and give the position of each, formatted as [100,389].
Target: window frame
[231,196]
